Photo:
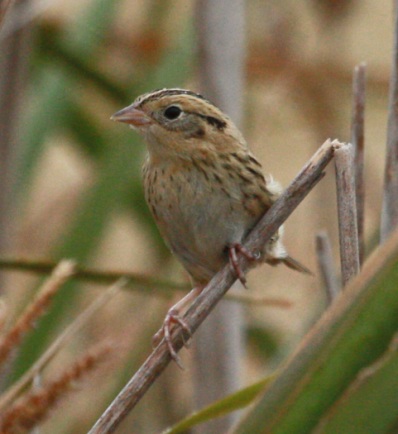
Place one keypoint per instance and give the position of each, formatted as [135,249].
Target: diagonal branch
[157,362]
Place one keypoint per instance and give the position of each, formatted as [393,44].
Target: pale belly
[198,220]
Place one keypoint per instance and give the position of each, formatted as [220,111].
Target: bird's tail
[295,265]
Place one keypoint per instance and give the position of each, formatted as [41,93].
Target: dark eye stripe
[215,122]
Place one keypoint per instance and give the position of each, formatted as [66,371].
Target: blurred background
[71,182]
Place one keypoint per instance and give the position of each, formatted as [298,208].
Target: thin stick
[214,291]
[348,232]
[135,280]
[389,213]
[358,141]
[326,266]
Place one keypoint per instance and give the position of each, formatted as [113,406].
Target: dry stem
[389,213]
[134,281]
[326,266]
[91,275]
[349,255]
[214,291]
[358,141]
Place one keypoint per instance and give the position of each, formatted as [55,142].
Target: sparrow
[204,187]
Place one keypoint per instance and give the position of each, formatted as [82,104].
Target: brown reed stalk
[35,309]
[34,407]
[348,232]
[358,141]
[16,388]
[389,213]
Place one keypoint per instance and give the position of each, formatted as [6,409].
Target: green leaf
[233,402]
[370,404]
[350,336]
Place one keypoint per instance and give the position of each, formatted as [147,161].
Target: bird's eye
[172,112]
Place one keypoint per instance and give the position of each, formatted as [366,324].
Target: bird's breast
[199,211]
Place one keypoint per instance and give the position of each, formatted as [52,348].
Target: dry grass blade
[389,213]
[36,308]
[214,291]
[358,141]
[326,266]
[348,232]
[13,391]
[33,407]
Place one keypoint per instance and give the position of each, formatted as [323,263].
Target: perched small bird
[204,187]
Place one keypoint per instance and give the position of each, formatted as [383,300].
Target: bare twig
[12,392]
[92,275]
[326,266]
[349,256]
[358,141]
[214,291]
[134,281]
[389,214]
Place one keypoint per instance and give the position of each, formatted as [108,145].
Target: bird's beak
[133,116]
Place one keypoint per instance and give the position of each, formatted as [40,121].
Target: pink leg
[173,317]
[233,251]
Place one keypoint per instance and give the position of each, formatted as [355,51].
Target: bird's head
[178,121]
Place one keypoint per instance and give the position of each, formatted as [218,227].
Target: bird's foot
[173,317]
[233,251]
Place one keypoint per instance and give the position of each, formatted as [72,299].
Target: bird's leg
[233,251]
[173,317]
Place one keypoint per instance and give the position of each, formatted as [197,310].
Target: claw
[233,251]
[173,317]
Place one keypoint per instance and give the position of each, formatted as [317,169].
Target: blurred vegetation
[76,176]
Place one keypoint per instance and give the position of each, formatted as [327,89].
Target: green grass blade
[370,404]
[351,335]
[233,402]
